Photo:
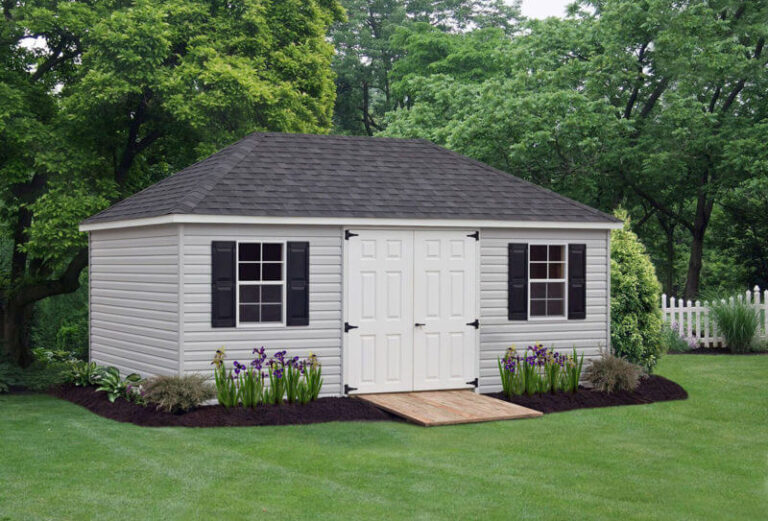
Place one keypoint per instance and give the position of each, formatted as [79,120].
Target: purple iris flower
[278,373]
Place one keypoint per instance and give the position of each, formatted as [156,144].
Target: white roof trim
[342,221]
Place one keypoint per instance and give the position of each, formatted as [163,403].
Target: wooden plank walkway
[430,408]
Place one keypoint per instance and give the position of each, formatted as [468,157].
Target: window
[547,278]
[260,282]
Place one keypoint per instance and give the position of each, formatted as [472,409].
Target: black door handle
[417,324]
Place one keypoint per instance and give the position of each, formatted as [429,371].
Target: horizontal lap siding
[134,299]
[497,332]
[322,336]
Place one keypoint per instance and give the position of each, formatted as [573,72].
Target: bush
[178,393]
[635,296]
[672,341]
[611,373]
[737,321]
[38,377]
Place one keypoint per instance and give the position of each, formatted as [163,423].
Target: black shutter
[577,281]
[297,290]
[223,284]
[517,290]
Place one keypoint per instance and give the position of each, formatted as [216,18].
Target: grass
[704,458]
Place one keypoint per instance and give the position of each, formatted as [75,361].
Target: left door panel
[380,303]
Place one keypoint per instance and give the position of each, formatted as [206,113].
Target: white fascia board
[343,221]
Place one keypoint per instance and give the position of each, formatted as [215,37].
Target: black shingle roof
[300,175]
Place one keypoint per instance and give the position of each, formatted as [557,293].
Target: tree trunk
[694,267]
[668,279]
[16,326]
[698,231]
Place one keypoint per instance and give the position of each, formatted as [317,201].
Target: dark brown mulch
[716,351]
[322,410]
[651,389]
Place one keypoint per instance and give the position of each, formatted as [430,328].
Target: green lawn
[704,458]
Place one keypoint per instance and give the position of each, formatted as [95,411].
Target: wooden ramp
[429,408]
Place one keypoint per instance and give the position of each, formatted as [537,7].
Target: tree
[102,98]
[366,51]
[656,104]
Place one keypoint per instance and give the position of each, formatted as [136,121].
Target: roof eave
[344,221]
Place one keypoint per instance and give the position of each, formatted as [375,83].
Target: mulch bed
[321,410]
[651,389]
[715,351]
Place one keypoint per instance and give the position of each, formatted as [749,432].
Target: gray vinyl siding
[497,332]
[323,334]
[134,299]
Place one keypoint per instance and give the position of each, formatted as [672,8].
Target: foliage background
[657,106]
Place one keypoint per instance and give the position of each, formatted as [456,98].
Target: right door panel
[444,302]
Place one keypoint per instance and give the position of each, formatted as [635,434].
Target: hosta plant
[83,374]
[117,387]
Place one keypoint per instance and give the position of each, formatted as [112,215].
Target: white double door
[411,296]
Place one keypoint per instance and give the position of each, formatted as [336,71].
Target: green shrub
[635,300]
[672,341]
[10,376]
[177,393]
[737,321]
[38,377]
[611,373]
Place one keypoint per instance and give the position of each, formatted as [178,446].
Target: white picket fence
[693,322]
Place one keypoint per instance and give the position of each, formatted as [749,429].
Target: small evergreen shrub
[737,322]
[611,373]
[178,393]
[635,296]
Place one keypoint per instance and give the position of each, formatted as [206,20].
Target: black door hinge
[475,324]
[348,234]
[347,327]
[473,383]
[475,235]
[347,388]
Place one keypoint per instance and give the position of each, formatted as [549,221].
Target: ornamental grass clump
[539,370]
[177,393]
[611,373]
[737,321]
[267,380]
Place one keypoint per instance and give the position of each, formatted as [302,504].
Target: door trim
[345,369]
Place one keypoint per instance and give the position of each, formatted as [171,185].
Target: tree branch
[636,88]
[740,84]
[654,97]
[68,282]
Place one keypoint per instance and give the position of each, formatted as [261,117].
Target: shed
[402,265]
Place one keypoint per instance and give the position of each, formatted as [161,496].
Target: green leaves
[635,298]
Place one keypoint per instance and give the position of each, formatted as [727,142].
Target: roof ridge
[507,175]
[198,193]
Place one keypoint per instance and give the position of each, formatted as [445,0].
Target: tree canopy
[102,98]
[659,105]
